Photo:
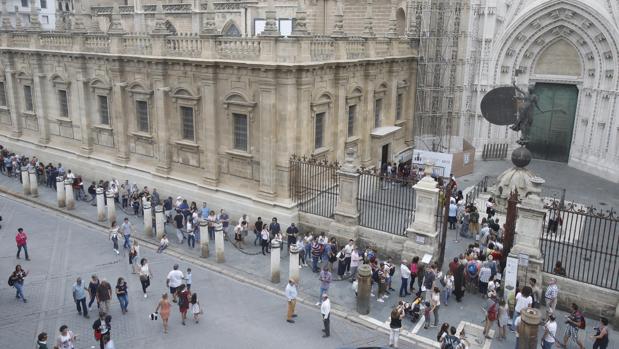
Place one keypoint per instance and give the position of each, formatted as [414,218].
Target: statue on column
[526,101]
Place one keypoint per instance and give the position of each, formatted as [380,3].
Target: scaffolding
[437,112]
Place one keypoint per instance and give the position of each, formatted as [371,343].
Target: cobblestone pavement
[250,267]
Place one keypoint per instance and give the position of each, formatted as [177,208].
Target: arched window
[400,21]
[231,29]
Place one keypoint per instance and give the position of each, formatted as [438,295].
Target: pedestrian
[163,308]
[382,283]
[258,230]
[448,286]
[459,283]
[552,292]
[188,279]
[191,234]
[103,328]
[523,301]
[79,296]
[316,251]
[66,339]
[427,311]
[550,332]
[291,295]
[163,243]
[183,301]
[274,227]
[291,235]
[126,228]
[600,336]
[174,280]
[17,280]
[414,268]
[211,220]
[239,234]
[536,292]
[264,239]
[355,259]
[492,314]
[42,341]
[325,281]
[435,301]
[122,294]
[104,295]
[224,219]
[178,221]
[301,249]
[92,290]
[453,211]
[133,254]
[451,340]
[575,321]
[428,281]
[145,275]
[405,274]
[280,239]
[114,237]
[503,319]
[325,312]
[196,308]
[341,264]
[348,254]
[21,240]
[397,314]
[484,278]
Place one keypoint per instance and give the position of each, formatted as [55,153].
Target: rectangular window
[63,103]
[28,98]
[141,112]
[240,131]
[24,3]
[319,130]
[187,121]
[2,95]
[43,3]
[398,107]
[45,19]
[352,114]
[378,110]
[104,115]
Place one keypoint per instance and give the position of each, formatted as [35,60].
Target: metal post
[34,189]
[364,287]
[68,186]
[275,261]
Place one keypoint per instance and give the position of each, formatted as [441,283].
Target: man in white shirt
[175,279]
[325,312]
[291,295]
[405,274]
[347,255]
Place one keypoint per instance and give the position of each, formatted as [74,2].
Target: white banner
[443,160]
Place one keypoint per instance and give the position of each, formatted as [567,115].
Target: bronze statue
[524,115]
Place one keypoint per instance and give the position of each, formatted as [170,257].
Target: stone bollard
[60,191]
[293,263]
[111,206]
[34,184]
[68,186]
[159,221]
[25,180]
[100,205]
[219,242]
[530,320]
[203,238]
[364,288]
[275,261]
[148,219]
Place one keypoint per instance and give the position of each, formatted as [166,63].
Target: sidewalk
[253,267]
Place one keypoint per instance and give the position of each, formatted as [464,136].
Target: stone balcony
[261,49]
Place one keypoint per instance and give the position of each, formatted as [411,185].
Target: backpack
[492,312]
[181,301]
[472,268]
[450,342]
[582,323]
[375,275]
[11,281]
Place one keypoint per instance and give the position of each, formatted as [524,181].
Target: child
[188,280]
[449,286]
[196,309]
[503,319]
[427,310]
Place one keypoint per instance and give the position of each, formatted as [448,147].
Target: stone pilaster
[16,123]
[34,184]
[116,25]
[18,25]
[35,24]
[299,26]
[209,25]
[392,32]
[60,192]
[38,81]
[211,129]
[84,112]
[111,207]
[411,16]
[6,20]
[121,138]
[270,26]
[163,134]
[268,123]
[275,261]
[68,186]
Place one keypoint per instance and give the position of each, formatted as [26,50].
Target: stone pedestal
[100,205]
[159,221]
[148,219]
[68,186]
[204,238]
[60,194]
[34,184]
[275,261]
[111,207]
[25,180]
[293,264]
[219,242]
[423,237]
[346,216]
[529,328]
[364,277]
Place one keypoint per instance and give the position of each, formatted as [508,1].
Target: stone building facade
[202,115]
[568,51]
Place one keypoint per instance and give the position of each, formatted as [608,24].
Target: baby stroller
[413,309]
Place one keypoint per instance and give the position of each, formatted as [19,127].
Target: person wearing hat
[325,312]
[291,295]
[551,295]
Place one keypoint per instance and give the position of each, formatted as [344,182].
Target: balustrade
[238,48]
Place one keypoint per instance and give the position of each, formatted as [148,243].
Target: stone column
[293,264]
[111,207]
[34,184]
[423,237]
[159,221]
[12,98]
[148,219]
[268,122]
[39,103]
[25,180]
[120,119]
[204,238]
[100,205]
[219,242]
[275,261]
[211,130]
[364,275]
[86,106]
[530,320]
[60,194]
[345,225]
[68,186]
[162,128]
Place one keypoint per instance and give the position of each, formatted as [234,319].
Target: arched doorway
[400,21]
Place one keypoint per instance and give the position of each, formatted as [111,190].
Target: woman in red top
[183,301]
[414,270]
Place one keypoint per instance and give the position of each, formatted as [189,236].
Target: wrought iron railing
[477,189]
[314,185]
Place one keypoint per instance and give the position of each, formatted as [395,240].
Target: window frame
[63,112]
[193,122]
[138,116]
[235,117]
[351,122]
[28,98]
[3,99]
[399,105]
[378,111]
[43,2]
[107,122]
[319,131]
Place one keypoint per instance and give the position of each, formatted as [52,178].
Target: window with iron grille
[352,114]
[104,115]
[319,130]
[24,3]
[28,97]
[378,110]
[240,131]
[187,122]
[2,95]
[43,3]
[398,107]
[141,112]
[63,103]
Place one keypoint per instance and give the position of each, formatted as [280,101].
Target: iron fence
[494,151]
[385,203]
[314,185]
[478,188]
[584,240]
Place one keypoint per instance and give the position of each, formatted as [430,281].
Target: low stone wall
[593,300]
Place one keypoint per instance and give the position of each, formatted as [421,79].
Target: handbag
[143,278]
[97,335]
[154,316]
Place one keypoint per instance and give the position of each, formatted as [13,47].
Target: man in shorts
[174,280]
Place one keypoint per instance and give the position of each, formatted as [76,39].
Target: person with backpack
[102,328]
[17,280]
[21,240]
[451,341]
[183,296]
[491,315]
[575,321]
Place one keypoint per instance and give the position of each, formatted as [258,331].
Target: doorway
[551,132]
[384,158]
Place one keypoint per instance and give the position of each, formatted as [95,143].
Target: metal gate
[585,241]
[314,185]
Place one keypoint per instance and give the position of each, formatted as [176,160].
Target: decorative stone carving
[299,26]
[368,27]
[338,28]
[6,21]
[116,26]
